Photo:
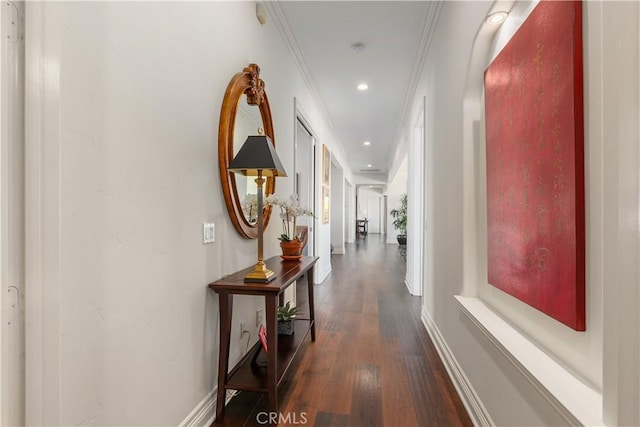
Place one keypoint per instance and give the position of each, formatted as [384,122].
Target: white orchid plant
[290,210]
[250,207]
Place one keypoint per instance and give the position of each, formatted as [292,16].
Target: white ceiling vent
[369,170]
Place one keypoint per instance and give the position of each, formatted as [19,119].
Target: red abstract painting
[535,164]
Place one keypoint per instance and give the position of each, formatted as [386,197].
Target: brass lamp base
[260,274]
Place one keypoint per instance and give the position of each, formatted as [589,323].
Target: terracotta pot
[292,249]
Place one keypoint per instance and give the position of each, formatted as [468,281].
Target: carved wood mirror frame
[247,82]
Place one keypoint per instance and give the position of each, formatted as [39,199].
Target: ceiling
[393,34]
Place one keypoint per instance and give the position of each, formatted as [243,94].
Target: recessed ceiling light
[363,86]
[369,166]
[366,143]
[497,18]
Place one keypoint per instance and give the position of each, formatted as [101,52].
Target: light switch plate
[208,232]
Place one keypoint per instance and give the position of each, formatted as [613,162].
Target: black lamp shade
[257,153]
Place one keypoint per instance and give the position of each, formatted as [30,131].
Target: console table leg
[312,310]
[271,305]
[226,309]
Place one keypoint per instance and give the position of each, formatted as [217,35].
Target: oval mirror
[245,109]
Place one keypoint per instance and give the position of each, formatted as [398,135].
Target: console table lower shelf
[250,374]
[256,371]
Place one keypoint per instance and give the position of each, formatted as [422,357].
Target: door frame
[12,214]
[299,117]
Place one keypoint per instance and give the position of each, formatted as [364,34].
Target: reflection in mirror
[245,100]
[248,121]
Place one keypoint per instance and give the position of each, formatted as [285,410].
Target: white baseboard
[409,287]
[324,276]
[412,291]
[477,412]
[204,413]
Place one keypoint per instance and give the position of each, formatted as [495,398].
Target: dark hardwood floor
[373,363]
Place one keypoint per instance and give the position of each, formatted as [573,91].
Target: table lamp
[258,158]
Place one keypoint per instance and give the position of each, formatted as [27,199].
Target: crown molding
[426,37]
[282,24]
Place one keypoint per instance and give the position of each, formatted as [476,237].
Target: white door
[304,178]
[12,214]
[349,216]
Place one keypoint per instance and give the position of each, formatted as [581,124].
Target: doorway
[304,183]
[416,219]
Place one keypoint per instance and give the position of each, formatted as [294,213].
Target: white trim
[12,214]
[300,117]
[409,286]
[324,276]
[428,30]
[289,39]
[3,239]
[204,413]
[575,401]
[478,413]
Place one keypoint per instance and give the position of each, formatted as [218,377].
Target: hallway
[373,363]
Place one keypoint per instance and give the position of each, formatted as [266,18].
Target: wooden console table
[247,374]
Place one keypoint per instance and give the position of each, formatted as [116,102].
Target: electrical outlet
[259,318]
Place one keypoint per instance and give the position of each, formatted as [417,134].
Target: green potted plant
[400,219]
[285,315]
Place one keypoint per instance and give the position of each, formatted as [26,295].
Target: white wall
[123,103]
[415,207]
[619,67]
[454,207]
[350,212]
[337,210]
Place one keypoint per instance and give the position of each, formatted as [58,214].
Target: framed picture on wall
[326,165]
[326,198]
